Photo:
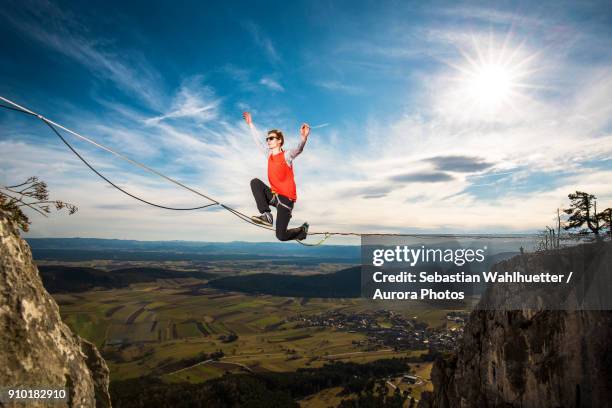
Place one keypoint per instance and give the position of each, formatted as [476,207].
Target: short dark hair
[279,134]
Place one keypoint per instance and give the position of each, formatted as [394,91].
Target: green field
[143,328]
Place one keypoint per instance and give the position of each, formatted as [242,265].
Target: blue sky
[439,117]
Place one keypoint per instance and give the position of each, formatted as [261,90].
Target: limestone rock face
[37,350]
[528,358]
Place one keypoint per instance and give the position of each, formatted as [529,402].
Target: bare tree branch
[26,204]
[14,197]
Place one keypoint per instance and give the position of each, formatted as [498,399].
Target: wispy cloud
[337,86]
[262,41]
[272,84]
[61,31]
[192,101]
[242,76]
[489,15]
[365,191]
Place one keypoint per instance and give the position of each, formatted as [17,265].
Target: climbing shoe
[303,233]
[263,219]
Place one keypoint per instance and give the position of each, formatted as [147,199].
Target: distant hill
[59,278]
[84,249]
[78,255]
[342,284]
[195,247]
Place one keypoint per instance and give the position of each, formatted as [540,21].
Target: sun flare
[490,84]
[491,80]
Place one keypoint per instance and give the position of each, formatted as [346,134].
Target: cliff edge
[530,358]
[37,350]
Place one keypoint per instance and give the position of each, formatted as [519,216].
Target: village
[386,328]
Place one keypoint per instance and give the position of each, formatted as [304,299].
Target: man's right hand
[247,118]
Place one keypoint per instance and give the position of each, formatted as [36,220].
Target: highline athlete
[282,192]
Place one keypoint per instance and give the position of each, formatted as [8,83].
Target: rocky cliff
[37,350]
[531,358]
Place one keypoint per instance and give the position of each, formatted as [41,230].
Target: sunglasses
[272,138]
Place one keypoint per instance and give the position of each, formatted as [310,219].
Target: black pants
[264,199]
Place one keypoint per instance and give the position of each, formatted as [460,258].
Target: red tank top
[280,176]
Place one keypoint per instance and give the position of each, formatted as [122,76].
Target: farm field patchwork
[147,328]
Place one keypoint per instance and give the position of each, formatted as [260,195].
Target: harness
[279,202]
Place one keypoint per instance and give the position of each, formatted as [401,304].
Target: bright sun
[490,84]
[490,80]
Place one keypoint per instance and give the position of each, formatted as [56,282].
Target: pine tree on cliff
[583,210]
[606,218]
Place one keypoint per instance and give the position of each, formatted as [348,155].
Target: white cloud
[271,83]
[193,101]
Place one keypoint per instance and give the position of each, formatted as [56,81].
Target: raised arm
[255,134]
[293,153]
